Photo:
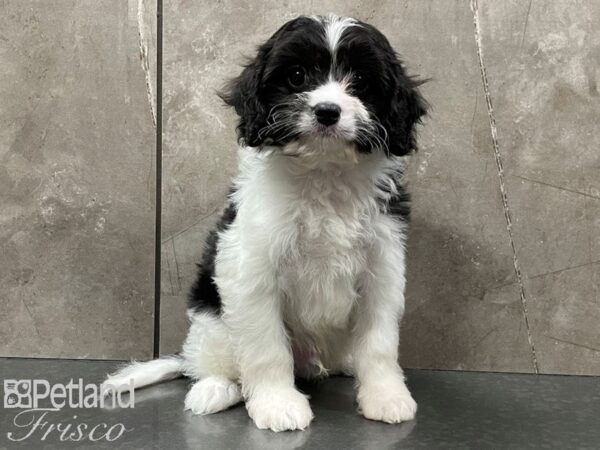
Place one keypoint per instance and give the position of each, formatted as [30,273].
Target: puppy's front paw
[280,409]
[386,404]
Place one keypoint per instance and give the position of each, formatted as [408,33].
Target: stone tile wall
[504,253]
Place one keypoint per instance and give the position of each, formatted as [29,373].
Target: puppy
[304,275]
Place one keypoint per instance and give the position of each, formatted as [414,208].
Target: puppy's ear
[243,94]
[406,109]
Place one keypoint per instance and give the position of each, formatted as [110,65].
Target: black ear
[243,94]
[406,109]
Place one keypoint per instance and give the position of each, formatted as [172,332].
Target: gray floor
[456,410]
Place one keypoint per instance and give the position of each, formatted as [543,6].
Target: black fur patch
[398,205]
[390,94]
[262,84]
[204,294]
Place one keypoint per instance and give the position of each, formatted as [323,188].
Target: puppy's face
[326,81]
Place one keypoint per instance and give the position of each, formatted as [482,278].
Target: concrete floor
[456,410]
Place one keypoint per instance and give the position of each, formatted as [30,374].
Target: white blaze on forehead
[334,29]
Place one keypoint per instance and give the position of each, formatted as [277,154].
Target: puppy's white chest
[326,254]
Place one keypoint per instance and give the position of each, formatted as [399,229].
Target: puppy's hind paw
[211,395]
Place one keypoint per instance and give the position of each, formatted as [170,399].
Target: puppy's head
[326,81]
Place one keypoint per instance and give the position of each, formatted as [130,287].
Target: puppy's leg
[382,393]
[208,356]
[264,356]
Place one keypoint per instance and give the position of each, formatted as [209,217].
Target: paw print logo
[17,393]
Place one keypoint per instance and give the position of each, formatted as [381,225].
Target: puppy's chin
[319,148]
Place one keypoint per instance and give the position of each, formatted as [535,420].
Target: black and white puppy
[305,273]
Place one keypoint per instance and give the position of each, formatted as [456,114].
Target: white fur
[311,276]
[353,112]
[312,260]
[212,394]
[279,409]
[144,373]
[209,334]
[334,28]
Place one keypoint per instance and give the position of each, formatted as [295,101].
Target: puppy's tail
[142,374]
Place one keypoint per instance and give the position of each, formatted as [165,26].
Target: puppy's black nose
[327,113]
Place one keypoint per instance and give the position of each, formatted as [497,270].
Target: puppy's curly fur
[304,274]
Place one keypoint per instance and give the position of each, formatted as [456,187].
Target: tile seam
[158,195]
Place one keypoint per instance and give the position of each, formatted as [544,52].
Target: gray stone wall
[504,252]
[77,176]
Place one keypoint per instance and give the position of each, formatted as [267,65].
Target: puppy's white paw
[280,409]
[211,395]
[386,404]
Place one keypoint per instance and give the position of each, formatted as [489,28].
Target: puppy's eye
[359,82]
[296,77]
